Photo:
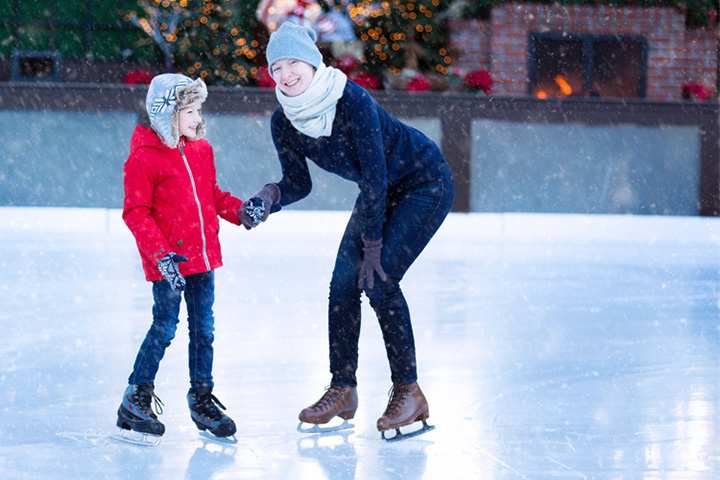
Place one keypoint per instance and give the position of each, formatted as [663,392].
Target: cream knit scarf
[313,111]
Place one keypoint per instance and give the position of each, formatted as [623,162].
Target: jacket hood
[145,137]
[167,94]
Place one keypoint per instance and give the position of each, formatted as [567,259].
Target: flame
[541,94]
[565,87]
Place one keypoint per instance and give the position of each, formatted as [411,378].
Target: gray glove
[258,207]
[372,249]
[168,266]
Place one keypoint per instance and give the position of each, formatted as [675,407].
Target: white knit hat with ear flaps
[167,94]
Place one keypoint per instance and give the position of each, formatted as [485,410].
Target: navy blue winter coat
[367,146]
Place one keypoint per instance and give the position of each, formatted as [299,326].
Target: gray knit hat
[293,41]
[168,93]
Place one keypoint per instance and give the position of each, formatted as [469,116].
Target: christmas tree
[220,41]
[403,34]
[217,40]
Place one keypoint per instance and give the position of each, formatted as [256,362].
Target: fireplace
[584,65]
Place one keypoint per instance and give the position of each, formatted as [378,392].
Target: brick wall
[675,55]
[470,43]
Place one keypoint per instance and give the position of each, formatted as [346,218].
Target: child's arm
[151,242]
[227,205]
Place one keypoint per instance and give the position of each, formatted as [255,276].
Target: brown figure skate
[336,402]
[407,405]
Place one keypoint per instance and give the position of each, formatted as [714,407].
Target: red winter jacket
[172,203]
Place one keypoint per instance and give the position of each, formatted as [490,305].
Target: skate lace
[209,405]
[329,397]
[147,400]
[397,399]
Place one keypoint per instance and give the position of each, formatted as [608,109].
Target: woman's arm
[368,142]
[296,183]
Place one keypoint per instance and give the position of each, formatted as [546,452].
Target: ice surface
[549,346]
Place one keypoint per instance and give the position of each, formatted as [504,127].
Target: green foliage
[403,34]
[76,28]
[218,41]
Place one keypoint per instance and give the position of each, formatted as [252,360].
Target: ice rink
[549,346]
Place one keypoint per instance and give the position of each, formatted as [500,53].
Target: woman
[406,192]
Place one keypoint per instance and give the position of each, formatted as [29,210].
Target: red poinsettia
[263,78]
[419,83]
[366,80]
[479,80]
[347,64]
[137,77]
[698,91]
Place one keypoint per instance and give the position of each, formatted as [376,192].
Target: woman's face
[292,76]
[189,119]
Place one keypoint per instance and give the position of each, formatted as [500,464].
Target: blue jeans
[199,298]
[415,210]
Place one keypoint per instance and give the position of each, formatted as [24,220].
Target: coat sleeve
[137,208]
[369,146]
[226,205]
[296,183]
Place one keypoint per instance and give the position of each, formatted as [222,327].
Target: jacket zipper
[197,201]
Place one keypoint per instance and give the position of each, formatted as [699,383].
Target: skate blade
[231,440]
[399,436]
[137,438]
[317,429]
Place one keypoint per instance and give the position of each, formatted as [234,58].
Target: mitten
[168,266]
[257,209]
[253,212]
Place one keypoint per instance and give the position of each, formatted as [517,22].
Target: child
[172,203]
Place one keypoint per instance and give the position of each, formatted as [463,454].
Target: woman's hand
[372,249]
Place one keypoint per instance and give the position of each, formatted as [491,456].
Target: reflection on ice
[549,346]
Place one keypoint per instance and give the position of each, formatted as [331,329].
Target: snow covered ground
[549,346]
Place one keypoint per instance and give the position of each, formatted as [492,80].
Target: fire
[565,87]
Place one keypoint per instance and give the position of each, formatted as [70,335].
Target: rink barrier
[456,112]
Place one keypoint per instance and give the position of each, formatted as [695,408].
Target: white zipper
[197,201]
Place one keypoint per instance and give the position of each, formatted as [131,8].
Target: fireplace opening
[583,65]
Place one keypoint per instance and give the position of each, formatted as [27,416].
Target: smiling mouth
[292,83]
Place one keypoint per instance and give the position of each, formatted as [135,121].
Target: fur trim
[187,94]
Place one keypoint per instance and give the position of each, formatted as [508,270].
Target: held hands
[168,266]
[252,213]
[371,264]
[257,209]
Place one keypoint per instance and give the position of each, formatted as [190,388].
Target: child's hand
[168,266]
[257,209]
[252,213]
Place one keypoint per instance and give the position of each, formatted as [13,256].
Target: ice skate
[205,413]
[137,420]
[407,405]
[336,402]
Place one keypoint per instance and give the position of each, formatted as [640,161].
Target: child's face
[292,76]
[189,119]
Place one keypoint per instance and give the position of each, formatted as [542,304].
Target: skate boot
[407,405]
[205,413]
[336,402]
[136,414]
